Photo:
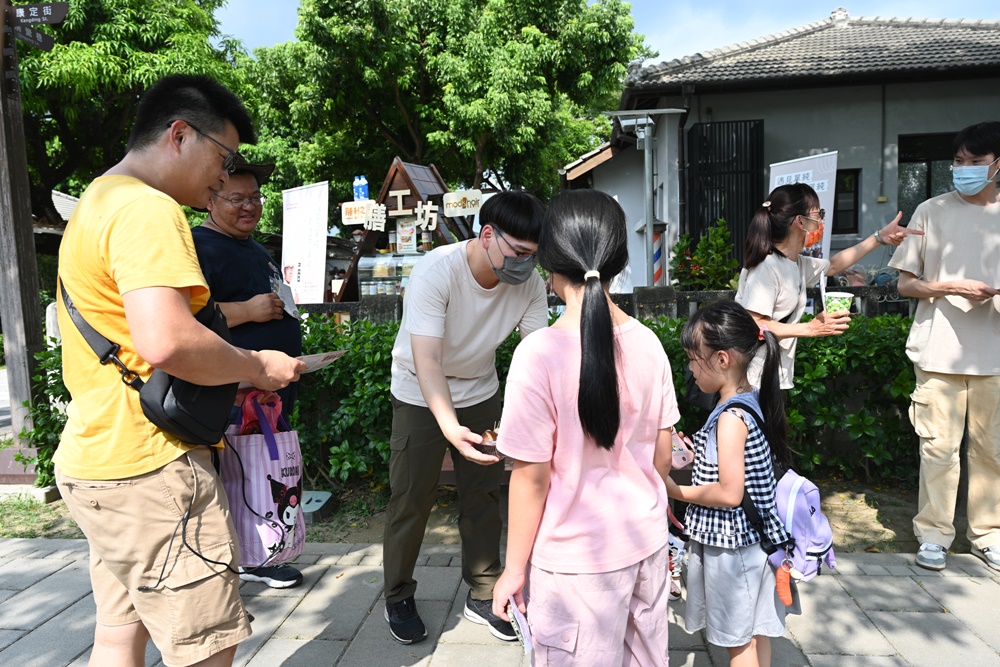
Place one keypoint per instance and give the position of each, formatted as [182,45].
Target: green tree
[79,99]
[506,89]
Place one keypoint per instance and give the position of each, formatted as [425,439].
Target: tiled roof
[838,47]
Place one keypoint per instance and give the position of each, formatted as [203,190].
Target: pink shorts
[605,619]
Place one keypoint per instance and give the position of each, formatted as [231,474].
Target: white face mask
[971,180]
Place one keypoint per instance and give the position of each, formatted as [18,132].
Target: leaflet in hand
[314,362]
[284,291]
[520,624]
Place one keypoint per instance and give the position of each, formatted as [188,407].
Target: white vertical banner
[820,173]
[303,242]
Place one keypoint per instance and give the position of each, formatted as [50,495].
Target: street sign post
[20,313]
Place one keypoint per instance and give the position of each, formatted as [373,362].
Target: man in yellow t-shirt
[163,547]
[953,270]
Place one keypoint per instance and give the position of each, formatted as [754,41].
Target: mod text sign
[463,202]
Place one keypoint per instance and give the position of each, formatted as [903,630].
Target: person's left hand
[509,583]
[894,234]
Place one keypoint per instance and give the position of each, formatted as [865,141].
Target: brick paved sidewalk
[879,610]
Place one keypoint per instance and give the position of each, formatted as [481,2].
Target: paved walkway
[878,610]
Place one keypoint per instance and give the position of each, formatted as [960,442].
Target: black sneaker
[405,625]
[278,576]
[481,612]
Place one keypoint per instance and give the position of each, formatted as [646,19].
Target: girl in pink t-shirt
[588,415]
[731,588]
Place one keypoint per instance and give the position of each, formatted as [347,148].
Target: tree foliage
[79,99]
[509,89]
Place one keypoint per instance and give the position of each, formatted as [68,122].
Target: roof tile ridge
[929,22]
[699,58]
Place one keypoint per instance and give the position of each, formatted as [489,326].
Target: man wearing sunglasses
[242,276]
[128,262]
[462,302]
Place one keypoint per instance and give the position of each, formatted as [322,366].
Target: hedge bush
[846,412]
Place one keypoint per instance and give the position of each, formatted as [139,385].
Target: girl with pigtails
[776,274]
[588,414]
[731,588]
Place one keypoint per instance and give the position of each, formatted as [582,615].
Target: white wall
[623,175]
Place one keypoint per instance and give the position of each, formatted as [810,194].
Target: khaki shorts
[195,611]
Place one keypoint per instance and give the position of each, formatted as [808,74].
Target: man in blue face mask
[954,270]
[463,300]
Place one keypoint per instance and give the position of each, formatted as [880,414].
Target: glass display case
[385,274]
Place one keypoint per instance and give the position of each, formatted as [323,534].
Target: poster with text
[819,172]
[303,244]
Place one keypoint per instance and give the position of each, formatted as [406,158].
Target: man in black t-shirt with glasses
[241,274]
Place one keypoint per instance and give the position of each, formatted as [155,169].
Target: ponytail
[772,401]
[758,244]
[598,368]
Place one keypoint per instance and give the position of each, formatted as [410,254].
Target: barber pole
[658,259]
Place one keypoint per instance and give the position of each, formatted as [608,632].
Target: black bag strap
[753,516]
[106,351]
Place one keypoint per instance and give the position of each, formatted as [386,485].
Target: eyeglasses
[228,162]
[519,257]
[237,202]
[821,215]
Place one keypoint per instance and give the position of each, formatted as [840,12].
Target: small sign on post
[48,12]
[35,38]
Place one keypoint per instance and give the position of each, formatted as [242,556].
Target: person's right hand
[464,440]
[829,324]
[265,307]
[277,369]
[973,290]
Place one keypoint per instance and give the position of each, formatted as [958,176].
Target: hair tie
[766,205]
[591,274]
[760,333]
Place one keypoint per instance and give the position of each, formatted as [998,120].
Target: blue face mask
[971,180]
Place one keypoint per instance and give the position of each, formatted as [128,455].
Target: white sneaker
[990,555]
[932,556]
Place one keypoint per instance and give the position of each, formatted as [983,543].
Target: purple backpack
[797,501]
[797,504]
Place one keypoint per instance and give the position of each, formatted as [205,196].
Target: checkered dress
[728,527]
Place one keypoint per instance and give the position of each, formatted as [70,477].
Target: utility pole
[20,309]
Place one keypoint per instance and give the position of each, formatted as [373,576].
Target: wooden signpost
[20,309]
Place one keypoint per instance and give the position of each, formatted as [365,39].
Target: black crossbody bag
[194,413]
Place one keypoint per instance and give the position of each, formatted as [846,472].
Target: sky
[674,29]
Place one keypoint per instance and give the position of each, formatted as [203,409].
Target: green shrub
[46,414]
[710,266]
[847,411]
[859,382]
[344,416]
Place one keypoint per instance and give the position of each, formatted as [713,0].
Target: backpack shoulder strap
[753,516]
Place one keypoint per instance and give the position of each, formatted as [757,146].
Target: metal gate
[725,177]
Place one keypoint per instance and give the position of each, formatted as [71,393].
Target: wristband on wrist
[878,238]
